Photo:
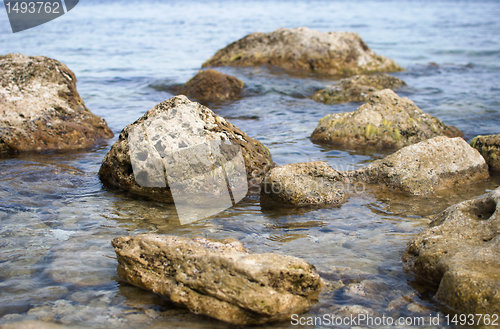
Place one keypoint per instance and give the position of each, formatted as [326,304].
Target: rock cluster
[302,50]
[179,138]
[489,147]
[305,184]
[386,120]
[422,168]
[461,252]
[211,86]
[219,278]
[357,88]
[40,108]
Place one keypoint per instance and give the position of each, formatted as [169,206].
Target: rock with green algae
[305,184]
[489,147]
[460,251]
[425,167]
[219,278]
[302,50]
[211,86]
[40,108]
[385,121]
[357,88]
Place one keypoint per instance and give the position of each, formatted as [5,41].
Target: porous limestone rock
[219,278]
[461,252]
[305,184]
[40,108]
[489,147]
[386,120]
[357,88]
[422,168]
[183,141]
[212,86]
[302,50]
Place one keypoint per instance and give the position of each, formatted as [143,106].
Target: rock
[461,252]
[305,184]
[219,278]
[181,136]
[489,147]
[386,120]
[425,167]
[40,108]
[301,50]
[212,86]
[357,88]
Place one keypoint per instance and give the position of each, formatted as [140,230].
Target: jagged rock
[386,120]
[302,50]
[219,278]
[305,184]
[212,86]
[181,139]
[422,168]
[489,147]
[357,88]
[40,108]
[461,252]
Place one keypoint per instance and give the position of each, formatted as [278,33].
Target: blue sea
[57,219]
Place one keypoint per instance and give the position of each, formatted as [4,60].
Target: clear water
[57,220]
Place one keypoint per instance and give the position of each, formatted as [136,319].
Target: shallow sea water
[57,220]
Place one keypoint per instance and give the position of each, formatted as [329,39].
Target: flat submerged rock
[302,50]
[219,278]
[40,108]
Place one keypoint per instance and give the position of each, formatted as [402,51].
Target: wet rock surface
[305,184]
[489,147]
[40,108]
[385,121]
[211,86]
[357,88]
[219,278]
[179,141]
[425,167]
[461,252]
[302,50]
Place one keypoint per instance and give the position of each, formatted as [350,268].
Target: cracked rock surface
[219,278]
[183,143]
